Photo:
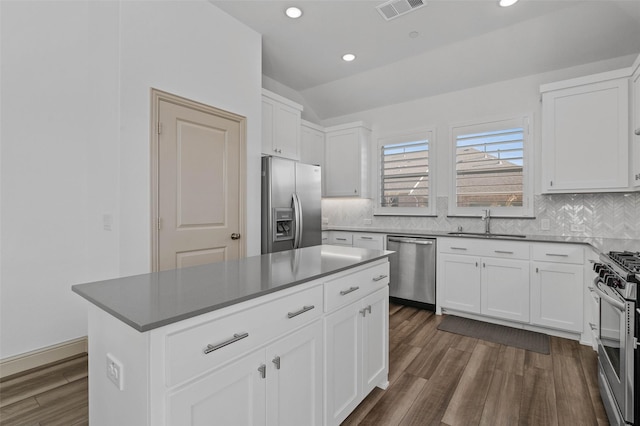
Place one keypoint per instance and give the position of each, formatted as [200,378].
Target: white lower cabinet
[488,286]
[356,351]
[235,394]
[459,278]
[279,385]
[505,289]
[556,295]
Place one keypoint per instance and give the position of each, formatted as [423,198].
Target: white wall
[75,103]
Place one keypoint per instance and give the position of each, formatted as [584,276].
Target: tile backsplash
[612,215]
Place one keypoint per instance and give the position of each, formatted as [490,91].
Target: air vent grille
[394,8]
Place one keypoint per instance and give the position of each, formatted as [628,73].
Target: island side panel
[108,405]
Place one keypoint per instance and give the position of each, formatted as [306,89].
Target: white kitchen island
[290,338]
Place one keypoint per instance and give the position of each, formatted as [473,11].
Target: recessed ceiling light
[348,57]
[293,12]
[507,3]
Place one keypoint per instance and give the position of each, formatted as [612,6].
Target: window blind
[405,174]
[489,168]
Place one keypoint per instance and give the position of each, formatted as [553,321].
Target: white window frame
[485,125]
[430,135]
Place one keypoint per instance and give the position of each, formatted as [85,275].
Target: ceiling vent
[394,8]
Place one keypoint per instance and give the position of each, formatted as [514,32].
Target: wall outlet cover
[115,371]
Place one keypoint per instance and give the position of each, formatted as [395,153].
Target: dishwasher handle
[411,241]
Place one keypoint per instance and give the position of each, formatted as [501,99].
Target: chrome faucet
[486,216]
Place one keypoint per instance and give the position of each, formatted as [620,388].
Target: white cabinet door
[233,395]
[339,238]
[585,137]
[312,148]
[343,343]
[505,289]
[460,277]
[557,295]
[375,343]
[635,126]
[280,126]
[347,162]
[294,378]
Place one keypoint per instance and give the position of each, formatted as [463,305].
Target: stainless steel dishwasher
[413,271]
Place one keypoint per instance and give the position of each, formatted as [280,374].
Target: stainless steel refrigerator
[291,193]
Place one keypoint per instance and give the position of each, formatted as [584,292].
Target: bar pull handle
[263,371]
[593,326]
[503,251]
[238,336]
[301,311]
[276,362]
[366,238]
[380,277]
[364,311]
[341,239]
[557,254]
[458,248]
[351,290]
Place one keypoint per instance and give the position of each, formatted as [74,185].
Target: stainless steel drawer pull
[263,371]
[351,290]
[301,311]
[364,311]
[503,252]
[458,248]
[366,238]
[380,277]
[238,336]
[276,362]
[557,254]
[341,239]
[593,326]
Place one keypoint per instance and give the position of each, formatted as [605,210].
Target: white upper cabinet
[347,160]
[312,146]
[635,125]
[280,126]
[585,134]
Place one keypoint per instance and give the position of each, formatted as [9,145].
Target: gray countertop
[153,300]
[602,245]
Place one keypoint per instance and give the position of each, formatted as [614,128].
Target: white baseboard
[38,358]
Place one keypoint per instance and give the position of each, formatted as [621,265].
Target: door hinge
[159,128]
[159,223]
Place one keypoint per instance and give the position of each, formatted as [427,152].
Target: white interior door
[200,192]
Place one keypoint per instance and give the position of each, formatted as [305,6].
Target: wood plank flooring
[56,394]
[440,378]
[436,378]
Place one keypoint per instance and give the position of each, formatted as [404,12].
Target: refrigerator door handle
[297,213]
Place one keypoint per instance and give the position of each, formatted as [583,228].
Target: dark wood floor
[440,378]
[53,395]
[436,378]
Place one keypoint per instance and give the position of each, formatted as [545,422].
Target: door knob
[235,236]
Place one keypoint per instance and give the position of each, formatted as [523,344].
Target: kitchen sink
[484,235]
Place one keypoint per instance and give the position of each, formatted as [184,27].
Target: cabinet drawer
[237,333]
[506,249]
[559,253]
[351,287]
[341,238]
[484,247]
[369,241]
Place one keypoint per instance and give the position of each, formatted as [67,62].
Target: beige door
[200,189]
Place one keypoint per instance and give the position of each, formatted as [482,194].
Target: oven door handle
[616,303]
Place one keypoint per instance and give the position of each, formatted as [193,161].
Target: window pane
[405,174]
[489,168]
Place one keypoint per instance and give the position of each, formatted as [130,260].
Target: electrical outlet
[367,221]
[115,371]
[577,228]
[545,225]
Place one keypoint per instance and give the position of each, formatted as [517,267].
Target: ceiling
[460,44]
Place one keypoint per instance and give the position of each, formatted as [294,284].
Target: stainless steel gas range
[618,276]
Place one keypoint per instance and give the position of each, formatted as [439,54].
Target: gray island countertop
[153,300]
